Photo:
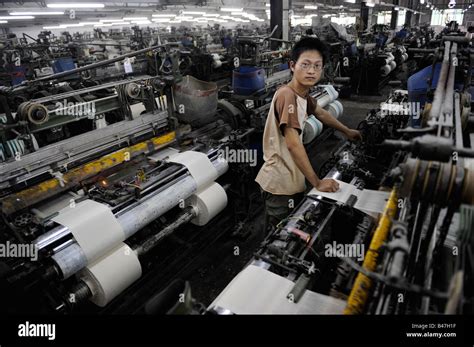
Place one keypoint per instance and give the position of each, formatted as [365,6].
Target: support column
[408,16]
[394,19]
[417,19]
[285,35]
[365,16]
[279,16]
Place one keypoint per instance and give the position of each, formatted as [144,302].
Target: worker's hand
[353,135]
[327,185]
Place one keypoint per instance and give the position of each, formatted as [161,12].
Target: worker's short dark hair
[309,44]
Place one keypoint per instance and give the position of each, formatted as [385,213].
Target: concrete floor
[219,266]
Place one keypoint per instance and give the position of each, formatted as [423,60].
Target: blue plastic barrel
[417,86]
[282,67]
[418,83]
[247,80]
[63,64]
[18,75]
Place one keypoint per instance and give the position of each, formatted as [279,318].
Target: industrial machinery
[110,190]
[107,215]
[366,64]
[398,236]
[53,107]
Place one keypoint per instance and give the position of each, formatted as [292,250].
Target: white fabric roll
[312,128]
[199,166]
[93,226]
[385,70]
[335,108]
[208,203]
[110,275]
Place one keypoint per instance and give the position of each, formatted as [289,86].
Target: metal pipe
[440,88]
[51,236]
[185,217]
[449,94]
[459,39]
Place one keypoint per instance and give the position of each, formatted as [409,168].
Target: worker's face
[308,70]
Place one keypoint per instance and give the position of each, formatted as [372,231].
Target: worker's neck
[300,89]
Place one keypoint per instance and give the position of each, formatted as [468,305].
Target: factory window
[446,16]
[401,18]
[343,20]
[384,17]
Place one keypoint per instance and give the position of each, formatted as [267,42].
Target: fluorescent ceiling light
[163,15]
[76,5]
[194,12]
[396,8]
[185,18]
[211,15]
[135,18]
[36,13]
[52,27]
[174,21]
[71,25]
[16,17]
[3,21]
[121,23]
[327,15]
[110,20]
[229,9]
[103,25]
[89,23]
[161,20]
[267,5]
[141,21]
[369,4]
[311,7]
[351,1]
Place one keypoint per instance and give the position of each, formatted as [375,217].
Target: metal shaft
[95,65]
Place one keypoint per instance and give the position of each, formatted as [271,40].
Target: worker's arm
[300,157]
[327,119]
